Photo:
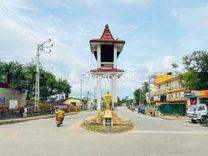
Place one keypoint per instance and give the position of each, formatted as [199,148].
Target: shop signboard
[2,101]
[13,104]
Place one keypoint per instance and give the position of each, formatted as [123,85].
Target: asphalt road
[150,137]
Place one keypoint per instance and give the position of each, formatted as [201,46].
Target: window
[163,98]
[107,53]
[203,100]
[201,108]
[73,103]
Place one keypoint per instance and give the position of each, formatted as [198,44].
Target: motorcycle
[59,121]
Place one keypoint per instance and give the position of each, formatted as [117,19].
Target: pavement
[151,136]
[173,117]
[16,120]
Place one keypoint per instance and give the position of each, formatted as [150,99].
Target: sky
[157,33]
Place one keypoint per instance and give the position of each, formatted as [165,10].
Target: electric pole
[149,90]
[44,47]
[81,92]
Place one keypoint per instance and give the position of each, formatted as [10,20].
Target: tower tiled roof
[107,36]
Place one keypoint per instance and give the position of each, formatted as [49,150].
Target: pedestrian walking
[21,112]
[25,112]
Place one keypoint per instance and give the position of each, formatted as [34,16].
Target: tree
[175,67]
[145,87]
[119,102]
[140,93]
[196,65]
[50,86]
[22,78]
[63,86]
[2,75]
[30,76]
[15,75]
[47,84]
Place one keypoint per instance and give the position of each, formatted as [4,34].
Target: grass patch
[98,127]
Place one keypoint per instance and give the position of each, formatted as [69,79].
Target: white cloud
[19,5]
[167,61]
[193,19]
[19,43]
[144,2]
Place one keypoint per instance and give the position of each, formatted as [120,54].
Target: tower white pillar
[115,56]
[98,56]
[112,93]
[99,94]
[115,89]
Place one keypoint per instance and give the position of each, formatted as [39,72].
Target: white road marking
[171,132]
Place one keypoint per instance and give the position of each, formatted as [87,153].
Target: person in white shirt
[25,112]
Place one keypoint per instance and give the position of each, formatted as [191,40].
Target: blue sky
[157,33]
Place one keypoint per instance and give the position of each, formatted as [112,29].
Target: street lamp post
[44,47]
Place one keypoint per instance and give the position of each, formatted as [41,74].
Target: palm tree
[30,70]
[2,75]
[15,76]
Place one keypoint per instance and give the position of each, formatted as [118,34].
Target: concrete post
[99,95]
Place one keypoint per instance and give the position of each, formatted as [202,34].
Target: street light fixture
[44,47]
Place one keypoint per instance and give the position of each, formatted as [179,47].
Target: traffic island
[96,124]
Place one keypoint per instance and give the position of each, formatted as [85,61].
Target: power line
[18,20]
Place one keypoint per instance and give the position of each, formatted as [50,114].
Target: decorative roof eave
[107,73]
[112,70]
[107,41]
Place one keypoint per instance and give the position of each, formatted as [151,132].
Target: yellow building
[73,102]
[167,88]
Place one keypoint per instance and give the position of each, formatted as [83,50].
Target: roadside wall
[172,109]
[9,94]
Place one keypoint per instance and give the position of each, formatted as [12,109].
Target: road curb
[12,121]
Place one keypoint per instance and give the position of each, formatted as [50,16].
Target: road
[150,137]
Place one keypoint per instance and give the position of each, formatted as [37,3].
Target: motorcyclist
[60,117]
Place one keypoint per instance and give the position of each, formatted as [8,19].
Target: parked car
[198,113]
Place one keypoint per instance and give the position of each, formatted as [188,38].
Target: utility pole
[87,99]
[149,96]
[40,48]
[37,82]
[83,76]
[81,92]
